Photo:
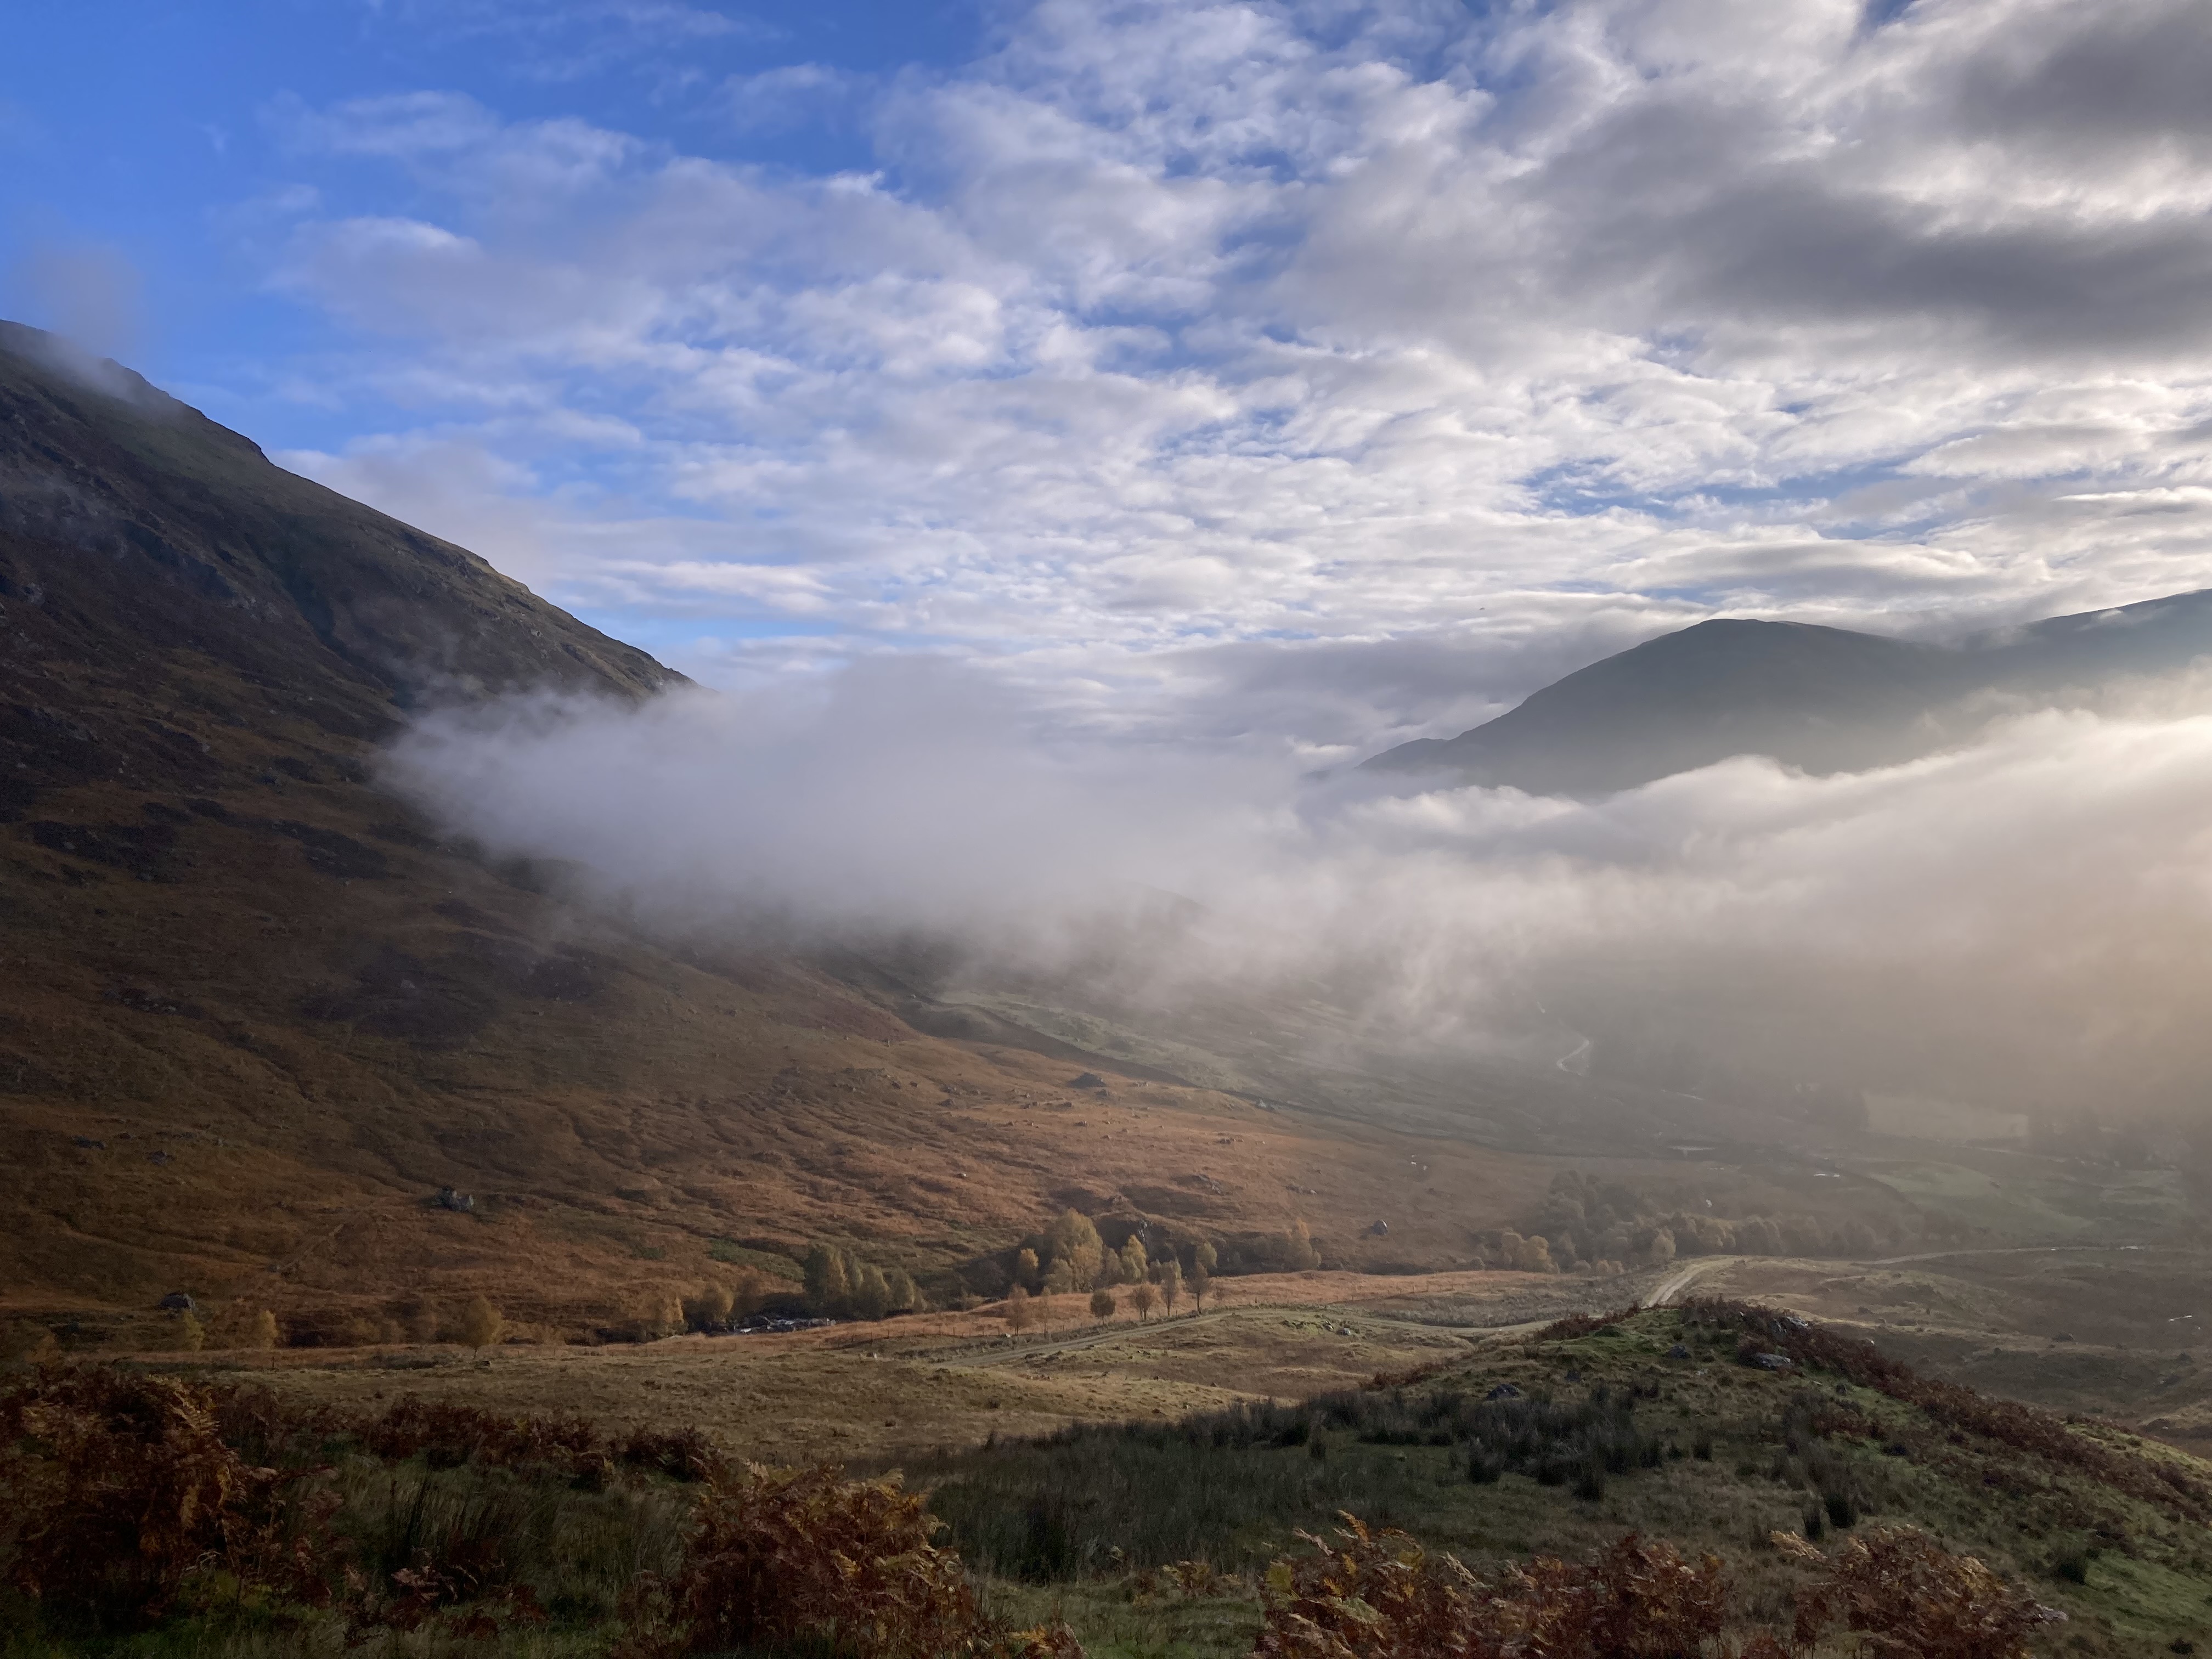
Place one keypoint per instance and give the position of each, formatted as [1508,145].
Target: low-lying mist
[2024,921]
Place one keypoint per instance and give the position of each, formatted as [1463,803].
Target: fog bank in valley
[2022,922]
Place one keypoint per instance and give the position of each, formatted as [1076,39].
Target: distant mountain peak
[1822,699]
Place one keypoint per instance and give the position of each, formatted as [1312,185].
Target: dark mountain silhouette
[1822,699]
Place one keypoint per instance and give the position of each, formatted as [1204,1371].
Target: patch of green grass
[578,1551]
[2072,1204]
[1113,1621]
[1231,1488]
[731,1253]
[2148,1602]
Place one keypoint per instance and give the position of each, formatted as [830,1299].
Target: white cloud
[768,100]
[1170,325]
[2022,921]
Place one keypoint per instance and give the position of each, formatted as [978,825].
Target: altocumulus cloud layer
[1320,373]
[2023,922]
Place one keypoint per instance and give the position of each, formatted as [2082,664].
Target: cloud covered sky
[1217,391]
[1310,375]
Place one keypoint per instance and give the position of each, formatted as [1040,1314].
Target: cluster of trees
[1070,1258]
[840,1286]
[1590,1225]
[720,1304]
[1291,1251]
[235,1326]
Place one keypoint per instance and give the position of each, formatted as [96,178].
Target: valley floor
[868,1392]
[2101,1331]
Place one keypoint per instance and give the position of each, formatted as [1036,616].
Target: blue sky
[146,130]
[1328,369]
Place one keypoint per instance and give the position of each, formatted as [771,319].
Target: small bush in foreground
[1379,1595]
[446,1435]
[120,1492]
[780,1556]
[1909,1598]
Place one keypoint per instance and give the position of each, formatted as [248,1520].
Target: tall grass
[1226,1486]
[480,1529]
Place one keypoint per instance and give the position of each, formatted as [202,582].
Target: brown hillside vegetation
[255,1015]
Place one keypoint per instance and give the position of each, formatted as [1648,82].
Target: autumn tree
[904,1296]
[1103,1303]
[1029,1273]
[840,1286]
[1144,1298]
[870,1295]
[747,1293]
[710,1308]
[656,1312]
[480,1325]
[1074,1242]
[1018,1313]
[1171,1277]
[828,1290]
[1135,1265]
[1201,1277]
[1298,1253]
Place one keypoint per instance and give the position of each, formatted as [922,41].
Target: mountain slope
[254,1012]
[1823,699]
[134,522]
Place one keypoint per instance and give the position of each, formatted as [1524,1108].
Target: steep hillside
[1824,699]
[254,1015]
[135,526]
